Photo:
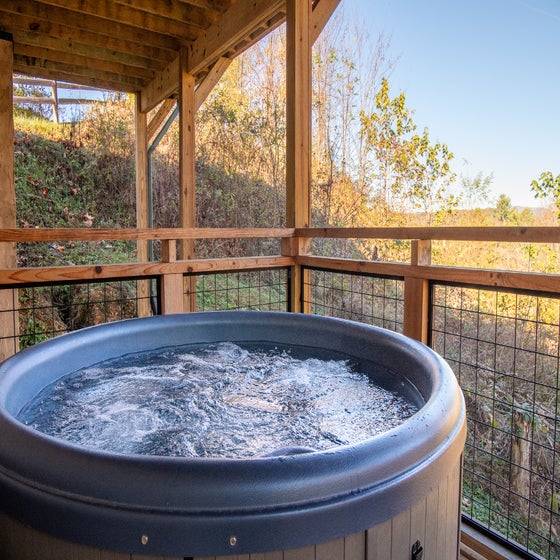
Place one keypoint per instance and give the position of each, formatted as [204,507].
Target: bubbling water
[220,400]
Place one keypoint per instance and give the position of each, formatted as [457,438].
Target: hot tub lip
[272,487]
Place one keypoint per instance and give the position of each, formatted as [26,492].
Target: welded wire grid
[504,349]
[375,300]
[42,312]
[259,290]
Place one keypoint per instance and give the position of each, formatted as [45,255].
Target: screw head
[144,539]
[232,541]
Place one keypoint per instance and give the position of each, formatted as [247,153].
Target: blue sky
[483,76]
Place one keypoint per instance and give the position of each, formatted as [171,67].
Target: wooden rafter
[132,45]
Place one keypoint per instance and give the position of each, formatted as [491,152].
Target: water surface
[220,400]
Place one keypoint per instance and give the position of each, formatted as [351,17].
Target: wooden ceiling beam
[89,23]
[220,5]
[72,59]
[87,51]
[176,11]
[76,74]
[45,30]
[236,24]
[164,85]
[187,28]
[223,39]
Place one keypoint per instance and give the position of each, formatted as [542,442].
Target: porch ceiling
[128,45]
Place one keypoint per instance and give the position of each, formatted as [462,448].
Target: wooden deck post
[8,298]
[187,212]
[142,210]
[298,139]
[172,284]
[416,294]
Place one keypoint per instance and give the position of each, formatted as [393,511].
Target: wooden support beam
[298,137]
[417,294]
[298,111]
[322,12]
[232,29]
[159,118]
[201,93]
[142,203]
[209,83]
[216,43]
[187,208]
[172,284]
[164,85]
[8,298]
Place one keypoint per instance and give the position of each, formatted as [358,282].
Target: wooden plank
[215,43]
[18,276]
[537,282]
[98,52]
[454,511]
[164,85]
[354,547]
[332,550]
[442,520]
[8,299]
[201,16]
[81,20]
[521,235]
[484,546]
[158,120]
[50,69]
[298,137]
[400,536]
[7,187]
[232,28]
[536,234]
[430,542]
[84,40]
[418,519]
[171,284]
[187,176]
[417,295]
[21,235]
[322,12]
[209,82]
[298,113]
[275,555]
[379,541]
[83,552]
[187,156]
[142,203]
[95,66]
[303,553]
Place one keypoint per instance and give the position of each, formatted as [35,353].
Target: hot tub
[395,495]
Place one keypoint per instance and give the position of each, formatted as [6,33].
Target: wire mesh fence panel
[503,348]
[375,300]
[259,290]
[42,312]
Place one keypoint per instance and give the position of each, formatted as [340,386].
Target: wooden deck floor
[476,546]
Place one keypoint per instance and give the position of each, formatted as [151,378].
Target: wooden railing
[418,275]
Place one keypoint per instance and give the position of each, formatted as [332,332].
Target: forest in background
[371,166]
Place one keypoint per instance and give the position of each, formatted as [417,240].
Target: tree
[548,186]
[409,172]
[504,210]
[475,191]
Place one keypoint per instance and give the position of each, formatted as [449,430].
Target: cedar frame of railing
[418,273]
